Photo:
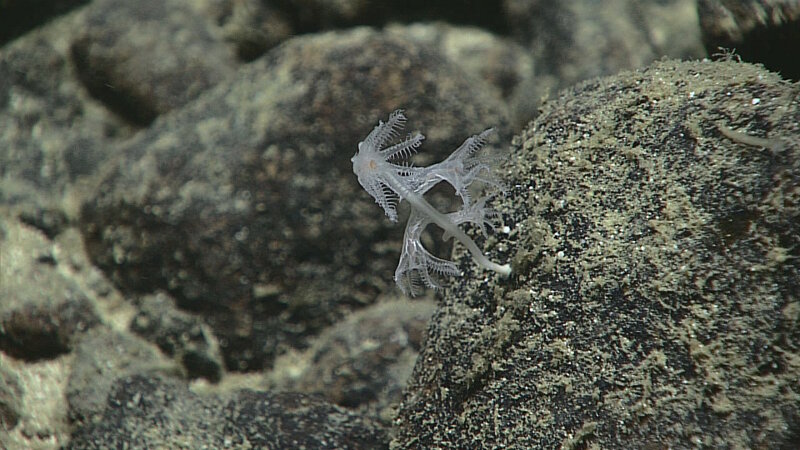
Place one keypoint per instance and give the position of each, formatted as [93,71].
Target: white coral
[389,182]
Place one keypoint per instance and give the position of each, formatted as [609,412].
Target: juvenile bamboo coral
[382,172]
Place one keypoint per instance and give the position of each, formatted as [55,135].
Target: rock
[363,362]
[11,394]
[51,133]
[654,299]
[505,66]
[157,412]
[146,58]
[102,357]
[253,26]
[178,334]
[42,312]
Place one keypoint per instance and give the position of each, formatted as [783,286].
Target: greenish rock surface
[654,301]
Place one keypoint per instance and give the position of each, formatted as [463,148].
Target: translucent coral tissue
[382,170]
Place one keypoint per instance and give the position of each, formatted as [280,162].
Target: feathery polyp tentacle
[383,133]
[403,149]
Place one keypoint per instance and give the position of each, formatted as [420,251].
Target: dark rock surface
[654,300]
[363,362]
[152,411]
[292,420]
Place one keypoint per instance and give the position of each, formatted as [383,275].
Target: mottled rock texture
[152,411]
[655,294]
